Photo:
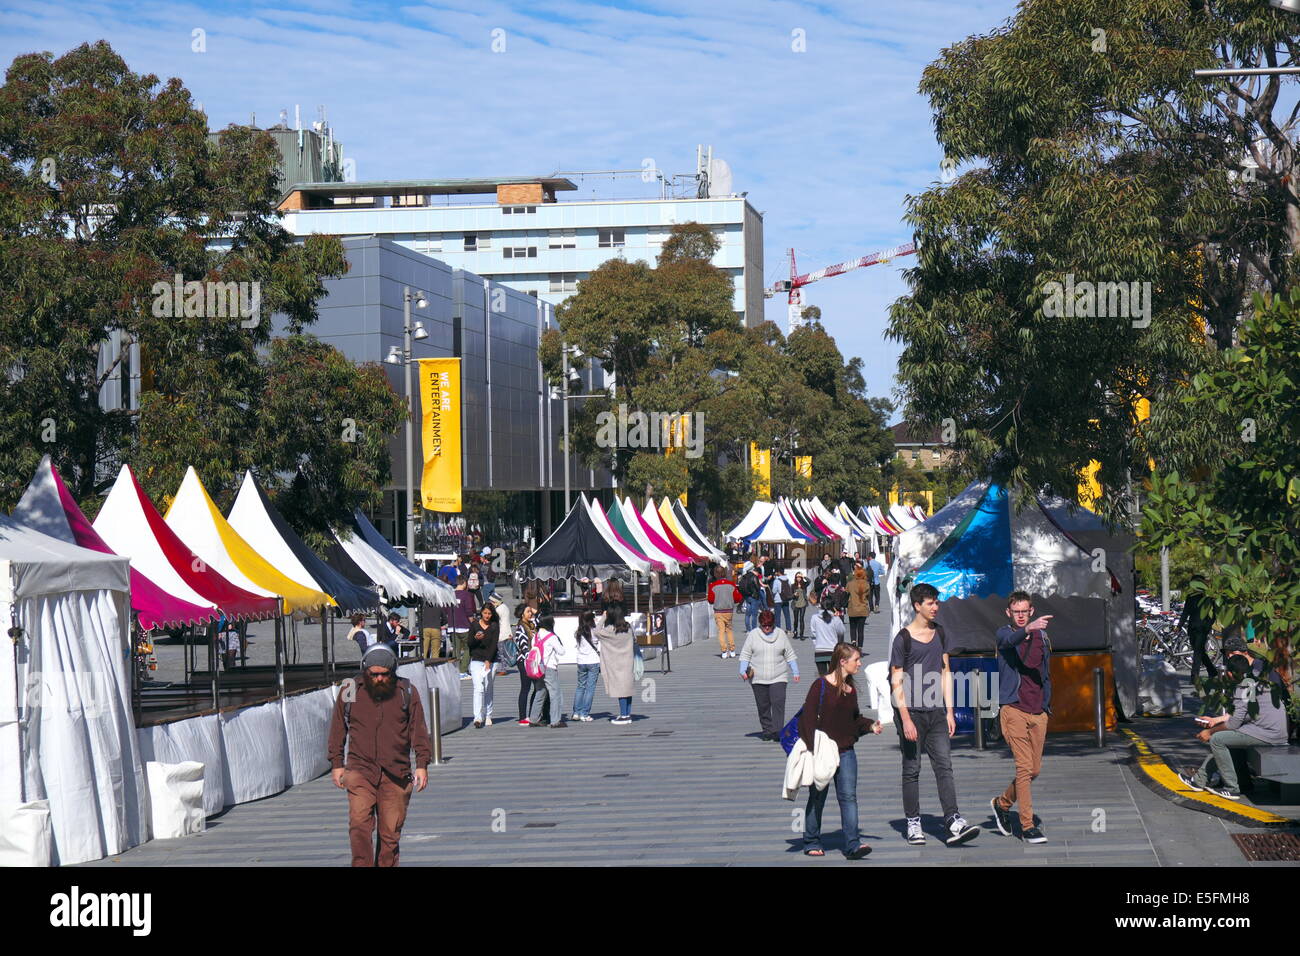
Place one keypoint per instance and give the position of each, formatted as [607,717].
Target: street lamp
[403,357]
[572,380]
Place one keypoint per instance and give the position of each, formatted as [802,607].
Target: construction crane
[794,285]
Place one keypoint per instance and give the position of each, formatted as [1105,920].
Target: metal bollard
[1099,700]
[437,726]
[979,709]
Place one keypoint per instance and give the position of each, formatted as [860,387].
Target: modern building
[518,232]
[512,423]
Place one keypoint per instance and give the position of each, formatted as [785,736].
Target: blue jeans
[782,612]
[752,607]
[625,706]
[550,692]
[586,690]
[846,791]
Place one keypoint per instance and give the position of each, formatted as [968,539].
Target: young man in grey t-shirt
[921,681]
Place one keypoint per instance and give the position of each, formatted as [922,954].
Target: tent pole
[636,586]
[212,664]
[279,653]
[324,647]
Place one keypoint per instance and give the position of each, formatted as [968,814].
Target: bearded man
[380,724]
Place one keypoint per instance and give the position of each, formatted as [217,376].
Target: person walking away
[482,640]
[799,603]
[832,707]
[379,724]
[489,576]
[474,585]
[588,666]
[1024,700]
[463,612]
[432,620]
[525,633]
[781,601]
[616,656]
[827,631]
[921,681]
[859,606]
[1197,617]
[768,661]
[724,596]
[752,592]
[877,576]
[550,695]
[1267,728]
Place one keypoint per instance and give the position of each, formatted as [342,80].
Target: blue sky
[828,140]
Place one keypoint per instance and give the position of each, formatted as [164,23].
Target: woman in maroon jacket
[832,708]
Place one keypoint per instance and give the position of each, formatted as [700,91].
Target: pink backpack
[535,659]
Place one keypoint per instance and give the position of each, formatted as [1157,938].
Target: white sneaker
[587,718]
[487,722]
[914,834]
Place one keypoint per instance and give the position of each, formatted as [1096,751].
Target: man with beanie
[379,721]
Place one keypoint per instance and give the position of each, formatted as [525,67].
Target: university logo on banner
[440,484]
[760,463]
[803,466]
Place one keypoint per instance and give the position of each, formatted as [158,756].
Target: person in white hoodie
[767,661]
[588,666]
[550,691]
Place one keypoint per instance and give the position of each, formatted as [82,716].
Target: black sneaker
[1189,781]
[959,832]
[1033,835]
[1221,791]
[1001,817]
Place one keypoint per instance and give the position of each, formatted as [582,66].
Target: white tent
[624,549]
[711,552]
[978,549]
[642,541]
[759,512]
[67,740]
[389,569]
[775,529]
[837,525]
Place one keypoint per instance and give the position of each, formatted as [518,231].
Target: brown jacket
[858,601]
[380,736]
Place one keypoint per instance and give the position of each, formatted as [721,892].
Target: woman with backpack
[799,603]
[859,606]
[617,654]
[474,583]
[827,631]
[544,657]
[832,708]
[524,634]
[482,642]
[588,666]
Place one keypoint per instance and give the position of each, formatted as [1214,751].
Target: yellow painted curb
[1156,770]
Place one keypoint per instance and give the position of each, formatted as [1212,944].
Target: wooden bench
[1281,765]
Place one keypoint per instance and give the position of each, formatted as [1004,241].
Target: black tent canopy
[576,549]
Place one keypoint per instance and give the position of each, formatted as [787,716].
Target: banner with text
[440,484]
[760,462]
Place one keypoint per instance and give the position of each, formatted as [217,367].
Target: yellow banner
[760,463]
[440,485]
[803,466]
[677,439]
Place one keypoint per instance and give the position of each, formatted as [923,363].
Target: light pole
[403,357]
[572,380]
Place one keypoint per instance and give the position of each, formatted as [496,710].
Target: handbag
[790,732]
[638,663]
[508,653]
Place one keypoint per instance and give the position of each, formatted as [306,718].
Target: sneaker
[1001,817]
[478,724]
[1188,778]
[522,722]
[560,724]
[1033,835]
[959,831]
[464,677]
[1224,792]
[587,718]
[487,722]
[914,834]
[621,720]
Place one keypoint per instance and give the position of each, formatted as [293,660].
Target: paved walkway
[689,782]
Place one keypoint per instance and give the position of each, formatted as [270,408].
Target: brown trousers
[387,801]
[432,642]
[726,638]
[1026,733]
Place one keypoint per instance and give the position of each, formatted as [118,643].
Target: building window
[610,238]
[520,252]
[517,210]
[564,239]
[936,455]
[564,282]
[474,241]
[427,242]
